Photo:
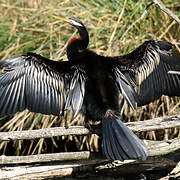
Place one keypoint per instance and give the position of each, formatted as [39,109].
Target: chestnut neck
[77,45]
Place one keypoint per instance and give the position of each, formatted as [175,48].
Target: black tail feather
[120,143]
[107,145]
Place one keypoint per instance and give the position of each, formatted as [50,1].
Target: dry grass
[114,30]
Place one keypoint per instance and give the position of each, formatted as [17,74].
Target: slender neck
[84,36]
[77,45]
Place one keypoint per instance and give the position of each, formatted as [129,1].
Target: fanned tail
[119,142]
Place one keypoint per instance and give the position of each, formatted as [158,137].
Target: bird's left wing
[40,85]
[146,69]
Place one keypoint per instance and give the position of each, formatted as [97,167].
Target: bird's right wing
[40,85]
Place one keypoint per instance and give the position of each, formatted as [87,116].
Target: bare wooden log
[163,8]
[40,158]
[155,149]
[137,167]
[43,133]
[165,122]
[85,168]
[44,171]
[164,148]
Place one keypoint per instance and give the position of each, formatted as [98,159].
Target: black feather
[125,88]
[121,143]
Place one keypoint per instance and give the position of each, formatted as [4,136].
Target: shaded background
[114,30]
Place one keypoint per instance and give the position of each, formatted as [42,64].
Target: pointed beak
[62,19]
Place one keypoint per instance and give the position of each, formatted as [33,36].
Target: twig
[163,8]
[140,126]
[128,29]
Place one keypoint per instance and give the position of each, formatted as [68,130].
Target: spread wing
[146,69]
[40,85]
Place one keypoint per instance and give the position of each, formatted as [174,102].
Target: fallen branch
[40,158]
[164,148]
[52,170]
[131,167]
[43,133]
[91,166]
[73,163]
[84,169]
[165,122]
[155,149]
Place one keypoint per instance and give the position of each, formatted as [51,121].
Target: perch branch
[97,167]
[140,126]
[43,133]
[40,158]
[155,149]
[70,163]
[165,122]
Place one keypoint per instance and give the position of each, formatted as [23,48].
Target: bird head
[71,20]
[76,45]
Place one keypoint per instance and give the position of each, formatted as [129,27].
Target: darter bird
[93,82]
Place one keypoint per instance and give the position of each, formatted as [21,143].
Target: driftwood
[165,122]
[43,133]
[95,166]
[155,149]
[85,169]
[40,158]
[163,155]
